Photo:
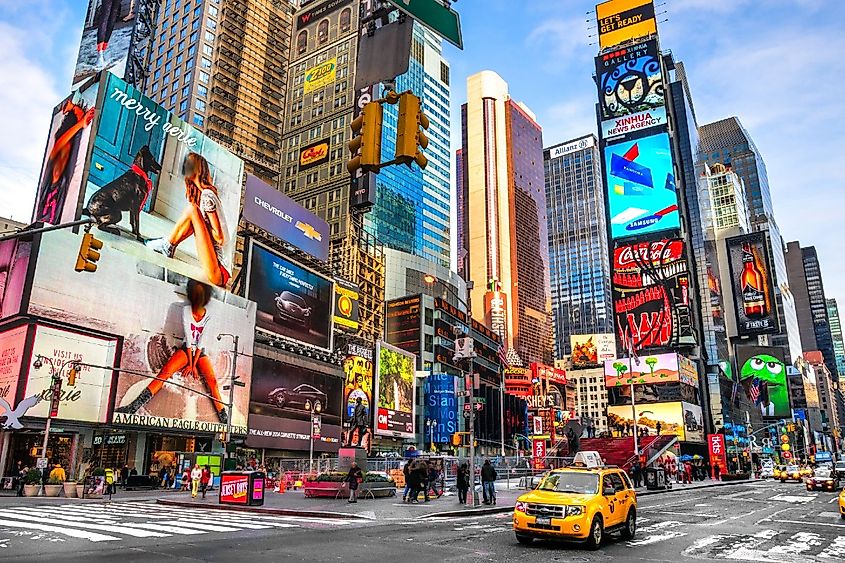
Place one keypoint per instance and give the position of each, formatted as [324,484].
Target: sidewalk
[706,484]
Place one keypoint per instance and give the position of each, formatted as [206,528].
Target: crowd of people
[421,476]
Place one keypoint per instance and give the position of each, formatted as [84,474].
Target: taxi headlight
[574,510]
[521,507]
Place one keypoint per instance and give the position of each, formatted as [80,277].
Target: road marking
[30,515]
[698,515]
[794,498]
[836,550]
[798,543]
[804,523]
[79,534]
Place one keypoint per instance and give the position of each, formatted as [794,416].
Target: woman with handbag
[354,477]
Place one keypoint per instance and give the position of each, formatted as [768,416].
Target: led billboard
[753,285]
[641,186]
[762,374]
[396,391]
[590,350]
[358,374]
[651,300]
[623,20]
[403,323]
[649,369]
[441,408]
[14,268]
[292,301]
[347,305]
[161,317]
[631,90]
[680,419]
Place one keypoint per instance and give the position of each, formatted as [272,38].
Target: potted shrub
[378,484]
[70,489]
[80,487]
[53,487]
[32,483]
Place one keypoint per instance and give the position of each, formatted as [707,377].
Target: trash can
[245,488]
[655,478]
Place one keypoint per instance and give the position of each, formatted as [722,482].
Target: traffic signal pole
[26,232]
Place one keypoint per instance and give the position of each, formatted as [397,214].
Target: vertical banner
[539,449]
[716,446]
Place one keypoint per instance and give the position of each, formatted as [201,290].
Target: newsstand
[245,488]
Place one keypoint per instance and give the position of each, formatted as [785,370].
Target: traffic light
[89,253]
[365,145]
[410,137]
[71,375]
[456,439]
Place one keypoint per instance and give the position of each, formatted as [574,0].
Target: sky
[776,64]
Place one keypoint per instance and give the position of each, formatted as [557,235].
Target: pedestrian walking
[659,427]
[124,474]
[196,475]
[688,473]
[21,479]
[406,471]
[422,479]
[205,478]
[413,482]
[185,481]
[717,471]
[354,477]
[488,482]
[433,477]
[636,474]
[463,483]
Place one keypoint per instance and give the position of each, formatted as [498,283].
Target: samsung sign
[276,213]
[576,145]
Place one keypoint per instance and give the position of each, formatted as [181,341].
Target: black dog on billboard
[127,192]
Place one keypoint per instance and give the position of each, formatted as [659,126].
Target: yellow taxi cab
[842,504]
[791,473]
[582,502]
[778,471]
[806,471]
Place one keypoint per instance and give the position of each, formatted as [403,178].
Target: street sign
[482,400]
[478,406]
[41,463]
[435,16]
[316,426]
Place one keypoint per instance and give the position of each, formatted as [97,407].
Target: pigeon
[12,415]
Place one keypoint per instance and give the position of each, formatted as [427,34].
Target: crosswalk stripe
[79,534]
[208,517]
[178,530]
[37,516]
[203,526]
[836,549]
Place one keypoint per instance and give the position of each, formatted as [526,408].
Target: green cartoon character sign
[763,377]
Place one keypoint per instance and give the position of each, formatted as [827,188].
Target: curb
[260,510]
[710,486]
[467,513]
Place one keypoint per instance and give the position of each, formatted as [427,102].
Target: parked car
[304,396]
[292,308]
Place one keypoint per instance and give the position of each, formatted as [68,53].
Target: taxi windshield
[823,473]
[570,482]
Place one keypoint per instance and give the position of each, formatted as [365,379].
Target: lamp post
[56,372]
[231,387]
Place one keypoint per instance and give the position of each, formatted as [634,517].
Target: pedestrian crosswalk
[103,522]
[769,545]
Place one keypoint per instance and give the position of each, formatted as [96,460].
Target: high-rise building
[220,66]
[590,396]
[721,194]
[805,280]
[504,218]
[836,334]
[579,264]
[727,142]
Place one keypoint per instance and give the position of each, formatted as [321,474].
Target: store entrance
[25,449]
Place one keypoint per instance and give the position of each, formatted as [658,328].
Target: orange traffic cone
[282,484]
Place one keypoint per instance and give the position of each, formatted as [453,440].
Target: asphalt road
[770,522]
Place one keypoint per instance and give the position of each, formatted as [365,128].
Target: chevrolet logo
[309,231]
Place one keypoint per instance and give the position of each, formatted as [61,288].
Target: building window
[206,63]
[183,105]
[209,36]
[204,77]
[202,91]
[199,120]
[346,20]
[302,42]
[444,73]
[200,105]
[323,32]
[206,49]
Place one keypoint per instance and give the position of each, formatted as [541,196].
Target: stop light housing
[71,375]
[89,253]
[411,139]
[365,145]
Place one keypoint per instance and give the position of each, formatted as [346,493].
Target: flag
[503,356]
[755,390]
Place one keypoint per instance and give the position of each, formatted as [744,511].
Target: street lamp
[231,387]
[431,423]
[56,371]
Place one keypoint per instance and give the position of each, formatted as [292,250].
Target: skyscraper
[836,334]
[727,142]
[504,218]
[220,66]
[579,264]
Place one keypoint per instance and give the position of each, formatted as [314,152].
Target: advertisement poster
[358,384]
[115,32]
[631,90]
[403,323]
[652,393]
[64,158]
[271,210]
[762,374]
[314,154]
[396,391]
[152,309]
[656,368]
[752,282]
[591,350]
[716,448]
[651,293]
[622,20]
[319,11]
[12,342]
[234,489]
[321,75]
[642,198]
[678,418]
[293,301]
[14,265]
[88,399]
[284,397]
[346,305]
[441,408]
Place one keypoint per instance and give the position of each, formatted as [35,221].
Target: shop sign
[234,489]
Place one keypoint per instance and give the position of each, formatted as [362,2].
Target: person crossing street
[488,482]
[196,476]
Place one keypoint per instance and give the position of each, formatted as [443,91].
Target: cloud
[27,95]
[567,120]
[558,39]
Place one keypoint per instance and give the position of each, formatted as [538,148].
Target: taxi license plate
[544,521]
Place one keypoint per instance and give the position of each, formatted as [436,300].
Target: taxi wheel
[523,539]
[630,529]
[596,534]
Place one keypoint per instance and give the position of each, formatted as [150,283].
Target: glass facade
[818,308]
[836,335]
[579,265]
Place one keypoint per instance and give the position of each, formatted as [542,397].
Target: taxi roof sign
[588,459]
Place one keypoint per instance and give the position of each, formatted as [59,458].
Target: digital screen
[395,389]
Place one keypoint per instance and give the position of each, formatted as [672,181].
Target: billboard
[441,408]
[117,36]
[717,451]
[652,393]
[346,305]
[403,323]
[680,419]
[358,384]
[623,20]
[752,282]
[158,319]
[282,401]
[590,350]
[12,343]
[641,186]
[88,399]
[396,391]
[631,90]
[319,11]
[14,267]
[320,75]
[291,300]
[269,209]
[314,154]
[651,286]
[762,375]
[645,370]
